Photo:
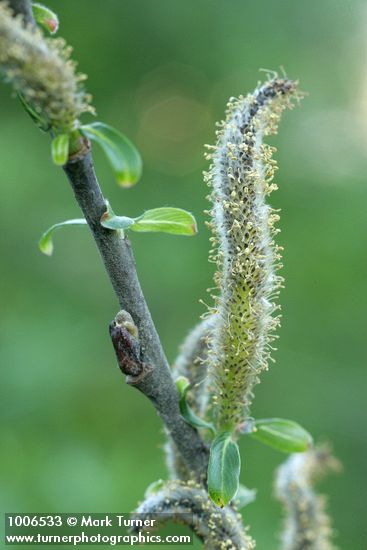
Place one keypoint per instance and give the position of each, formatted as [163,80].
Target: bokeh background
[74,437]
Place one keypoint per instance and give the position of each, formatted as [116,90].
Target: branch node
[84,148]
[135,380]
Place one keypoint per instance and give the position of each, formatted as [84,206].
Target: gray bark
[156,381]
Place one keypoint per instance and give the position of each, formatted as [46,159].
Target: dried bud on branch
[125,339]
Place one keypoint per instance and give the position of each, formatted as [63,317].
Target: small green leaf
[46,18]
[122,154]
[45,243]
[183,385]
[224,469]
[284,435]
[111,221]
[60,149]
[166,220]
[244,497]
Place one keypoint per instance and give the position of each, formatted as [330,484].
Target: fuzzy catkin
[40,69]
[191,362]
[247,257]
[307,525]
[188,503]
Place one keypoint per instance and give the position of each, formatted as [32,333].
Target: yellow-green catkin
[40,69]
[243,225]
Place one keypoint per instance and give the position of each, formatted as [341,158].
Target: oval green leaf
[224,469]
[45,243]
[45,18]
[111,221]
[166,220]
[183,385]
[284,435]
[121,153]
[60,149]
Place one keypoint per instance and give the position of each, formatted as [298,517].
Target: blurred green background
[74,437]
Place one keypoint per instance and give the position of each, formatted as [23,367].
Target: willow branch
[156,381]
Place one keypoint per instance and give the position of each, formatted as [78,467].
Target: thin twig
[157,382]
